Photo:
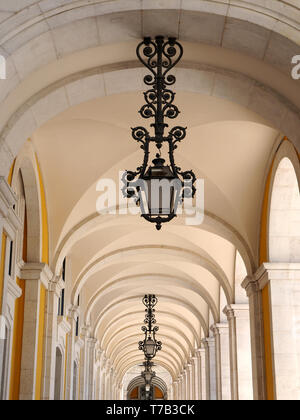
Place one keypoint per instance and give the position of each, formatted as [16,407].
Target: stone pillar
[107,379]
[73,313]
[181,391]
[240,356]
[212,368]
[84,364]
[100,379]
[205,370]
[175,390]
[221,333]
[197,384]
[254,294]
[103,377]
[36,275]
[111,375]
[91,344]
[191,379]
[277,285]
[186,384]
[202,381]
[55,287]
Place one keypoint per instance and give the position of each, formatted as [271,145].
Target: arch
[138,383]
[284,206]
[173,315]
[126,301]
[200,290]
[26,168]
[160,362]
[136,337]
[133,346]
[284,223]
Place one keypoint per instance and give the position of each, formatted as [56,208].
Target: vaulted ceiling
[74,86]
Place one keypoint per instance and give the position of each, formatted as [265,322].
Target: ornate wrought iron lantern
[159,188]
[150,346]
[148,375]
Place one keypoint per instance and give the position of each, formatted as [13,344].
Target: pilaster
[36,275]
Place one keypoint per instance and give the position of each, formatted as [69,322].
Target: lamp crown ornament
[159,188]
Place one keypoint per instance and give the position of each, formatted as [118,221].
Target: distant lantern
[150,345]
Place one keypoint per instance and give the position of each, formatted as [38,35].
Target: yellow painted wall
[16,356]
[11,172]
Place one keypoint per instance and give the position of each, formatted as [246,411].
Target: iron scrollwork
[159,56]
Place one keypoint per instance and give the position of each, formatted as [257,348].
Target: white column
[72,314]
[240,356]
[212,368]
[84,335]
[221,333]
[91,343]
[281,285]
[175,392]
[204,383]
[250,284]
[181,390]
[53,294]
[205,370]
[170,393]
[191,379]
[197,384]
[186,384]
[101,364]
[36,275]
[103,378]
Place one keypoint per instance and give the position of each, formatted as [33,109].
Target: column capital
[37,271]
[7,197]
[270,271]
[64,325]
[220,328]
[204,343]
[188,366]
[92,341]
[13,289]
[251,285]
[85,331]
[79,342]
[215,330]
[239,311]
[56,285]
[73,313]
[199,352]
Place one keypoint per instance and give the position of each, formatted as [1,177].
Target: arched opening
[136,389]
[58,375]
[284,222]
